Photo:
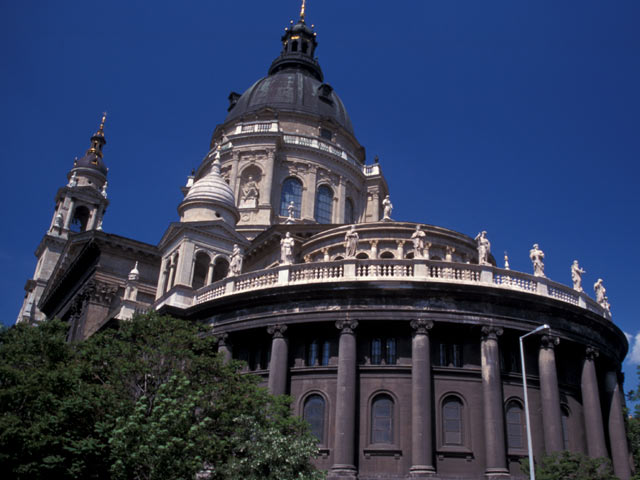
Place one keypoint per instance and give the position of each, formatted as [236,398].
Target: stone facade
[397,341]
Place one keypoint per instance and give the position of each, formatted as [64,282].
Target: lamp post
[532,472]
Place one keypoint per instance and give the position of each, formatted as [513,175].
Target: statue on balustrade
[576,276]
[418,238]
[351,242]
[484,248]
[235,265]
[537,256]
[601,295]
[286,249]
[388,208]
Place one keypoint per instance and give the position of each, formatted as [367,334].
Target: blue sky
[519,118]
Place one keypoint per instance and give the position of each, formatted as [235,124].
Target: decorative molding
[549,341]
[591,353]
[491,333]
[346,326]
[277,330]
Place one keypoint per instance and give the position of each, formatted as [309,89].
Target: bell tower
[79,207]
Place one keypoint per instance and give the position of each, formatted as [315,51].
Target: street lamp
[532,472]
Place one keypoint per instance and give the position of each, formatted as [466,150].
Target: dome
[292,90]
[92,161]
[209,195]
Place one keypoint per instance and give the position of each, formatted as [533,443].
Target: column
[338,217]
[551,414]
[617,434]
[309,193]
[267,179]
[421,423]
[279,360]
[343,446]
[224,347]
[67,220]
[233,175]
[591,406]
[496,461]
[210,272]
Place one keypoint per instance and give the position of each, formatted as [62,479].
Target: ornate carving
[484,248]
[591,353]
[346,326]
[549,341]
[537,256]
[99,292]
[223,339]
[490,332]
[421,326]
[277,330]
[351,242]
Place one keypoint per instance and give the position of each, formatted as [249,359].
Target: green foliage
[148,400]
[570,466]
[633,430]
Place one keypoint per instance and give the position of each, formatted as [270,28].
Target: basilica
[398,342]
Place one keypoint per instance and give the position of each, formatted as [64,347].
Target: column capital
[490,332]
[223,339]
[421,326]
[549,341]
[277,330]
[346,326]
[591,353]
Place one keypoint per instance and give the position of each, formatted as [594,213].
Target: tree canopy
[568,465]
[146,400]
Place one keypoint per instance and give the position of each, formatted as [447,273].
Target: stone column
[224,347]
[591,404]
[551,414]
[233,175]
[617,434]
[309,193]
[496,461]
[279,360]
[342,197]
[421,423]
[267,179]
[67,220]
[343,446]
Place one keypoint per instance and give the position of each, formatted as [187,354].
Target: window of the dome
[326,134]
[291,192]
[324,204]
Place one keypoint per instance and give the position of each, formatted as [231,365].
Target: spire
[298,48]
[97,140]
[302,11]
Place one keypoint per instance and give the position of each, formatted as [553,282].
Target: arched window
[386,255]
[324,204]
[220,269]
[200,270]
[565,426]
[515,425]
[382,419]
[362,256]
[291,192]
[313,413]
[80,219]
[349,211]
[452,433]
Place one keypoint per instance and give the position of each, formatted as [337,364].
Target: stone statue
[351,242]
[388,208]
[73,181]
[484,248]
[506,261]
[576,276]
[536,255]
[99,227]
[418,238]
[235,266]
[59,220]
[286,249]
[291,209]
[250,193]
[601,294]
[104,189]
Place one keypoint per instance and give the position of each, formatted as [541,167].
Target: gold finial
[101,127]
[302,10]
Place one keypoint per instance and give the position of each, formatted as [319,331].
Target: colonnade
[422,448]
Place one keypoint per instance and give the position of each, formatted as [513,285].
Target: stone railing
[397,270]
[371,170]
[319,145]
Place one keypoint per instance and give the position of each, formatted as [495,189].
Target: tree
[633,430]
[157,402]
[571,466]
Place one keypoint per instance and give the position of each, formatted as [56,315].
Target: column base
[343,472]
[497,472]
[422,471]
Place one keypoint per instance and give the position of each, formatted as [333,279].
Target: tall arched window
[80,219]
[382,419]
[200,270]
[349,211]
[220,269]
[291,192]
[313,413]
[324,204]
[452,421]
[515,425]
[565,426]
